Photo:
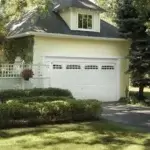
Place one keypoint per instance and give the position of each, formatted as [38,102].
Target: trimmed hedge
[39,99]
[13,94]
[14,114]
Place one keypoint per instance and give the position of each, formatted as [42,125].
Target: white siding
[66,15]
[84,49]
[74,19]
[70,16]
[78,48]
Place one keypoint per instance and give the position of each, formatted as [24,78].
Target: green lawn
[146,91]
[81,136]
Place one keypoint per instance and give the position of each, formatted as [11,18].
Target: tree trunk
[141,93]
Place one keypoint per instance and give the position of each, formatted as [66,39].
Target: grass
[86,136]
[146,91]
[136,89]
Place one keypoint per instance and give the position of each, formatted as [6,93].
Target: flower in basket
[27,74]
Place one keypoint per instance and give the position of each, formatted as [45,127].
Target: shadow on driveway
[127,114]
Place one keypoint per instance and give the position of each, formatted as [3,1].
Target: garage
[87,56]
[85,78]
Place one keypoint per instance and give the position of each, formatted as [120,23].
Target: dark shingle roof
[86,4]
[53,23]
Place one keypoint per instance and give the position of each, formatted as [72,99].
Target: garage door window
[91,67]
[73,67]
[57,66]
[108,68]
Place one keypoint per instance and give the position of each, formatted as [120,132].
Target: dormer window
[84,21]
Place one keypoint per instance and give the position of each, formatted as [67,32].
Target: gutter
[64,36]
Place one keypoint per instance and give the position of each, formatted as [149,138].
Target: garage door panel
[86,80]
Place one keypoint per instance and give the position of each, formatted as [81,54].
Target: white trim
[82,29]
[71,16]
[86,58]
[77,21]
[55,35]
[113,60]
[86,10]
[78,60]
[118,79]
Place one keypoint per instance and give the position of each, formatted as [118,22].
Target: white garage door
[86,80]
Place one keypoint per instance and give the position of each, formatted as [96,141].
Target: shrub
[124,100]
[50,92]
[85,109]
[38,99]
[13,94]
[133,97]
[17,111]
[133,100]
[133,93]
[33,113]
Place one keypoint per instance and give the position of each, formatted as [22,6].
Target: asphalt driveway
[127,114]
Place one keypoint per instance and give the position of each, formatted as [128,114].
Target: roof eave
[54,35]
[101,10]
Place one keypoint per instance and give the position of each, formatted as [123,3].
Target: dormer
[80,15]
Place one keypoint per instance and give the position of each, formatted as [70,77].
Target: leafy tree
[109,6]
[142,6]
[12,9]
[132,24]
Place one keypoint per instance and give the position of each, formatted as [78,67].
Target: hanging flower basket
[27,74]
